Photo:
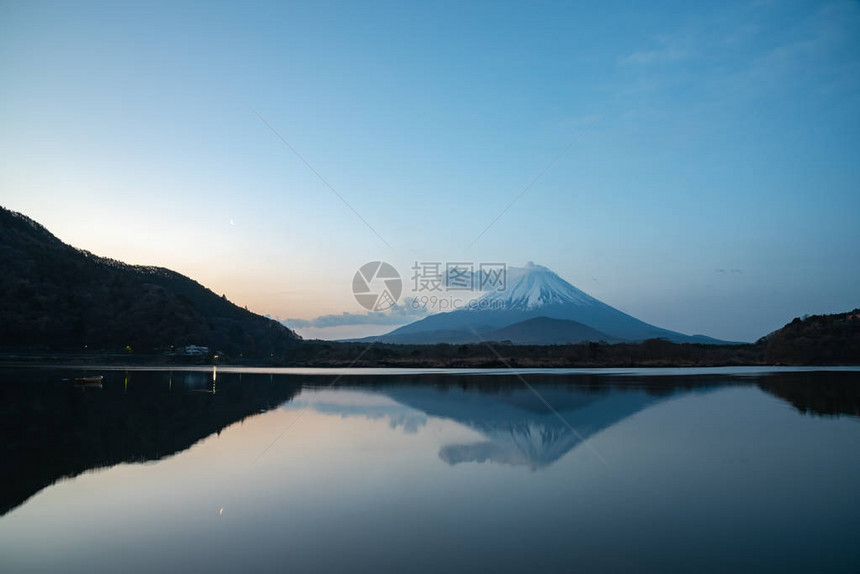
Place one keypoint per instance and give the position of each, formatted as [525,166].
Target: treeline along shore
[814,340]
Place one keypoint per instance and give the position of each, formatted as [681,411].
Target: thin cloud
[669,50]
[397,315]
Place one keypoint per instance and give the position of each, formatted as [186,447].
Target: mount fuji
[536,307]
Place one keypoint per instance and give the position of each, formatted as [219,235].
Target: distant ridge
[59,298]
[546,331]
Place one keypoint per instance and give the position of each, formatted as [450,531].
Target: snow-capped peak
[534,286]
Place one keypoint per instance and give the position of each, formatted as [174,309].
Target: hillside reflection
[821,394]
[52,429]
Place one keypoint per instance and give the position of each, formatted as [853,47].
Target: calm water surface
[194,471]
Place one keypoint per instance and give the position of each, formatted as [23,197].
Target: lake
[202,470]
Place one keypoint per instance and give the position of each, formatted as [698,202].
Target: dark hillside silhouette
[54,297]
[816,340]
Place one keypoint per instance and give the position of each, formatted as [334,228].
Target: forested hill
[816,340]
[59,298]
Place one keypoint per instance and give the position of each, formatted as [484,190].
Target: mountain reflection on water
[51,429]
[516,425]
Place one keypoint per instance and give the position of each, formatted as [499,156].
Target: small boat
[95,381]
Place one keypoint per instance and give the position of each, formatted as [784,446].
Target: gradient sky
[717,190]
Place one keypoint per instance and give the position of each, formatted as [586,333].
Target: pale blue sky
[727,138]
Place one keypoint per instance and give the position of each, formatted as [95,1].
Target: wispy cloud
[742,53]
[666,49]
[397,315]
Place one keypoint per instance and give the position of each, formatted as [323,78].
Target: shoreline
[371,369]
